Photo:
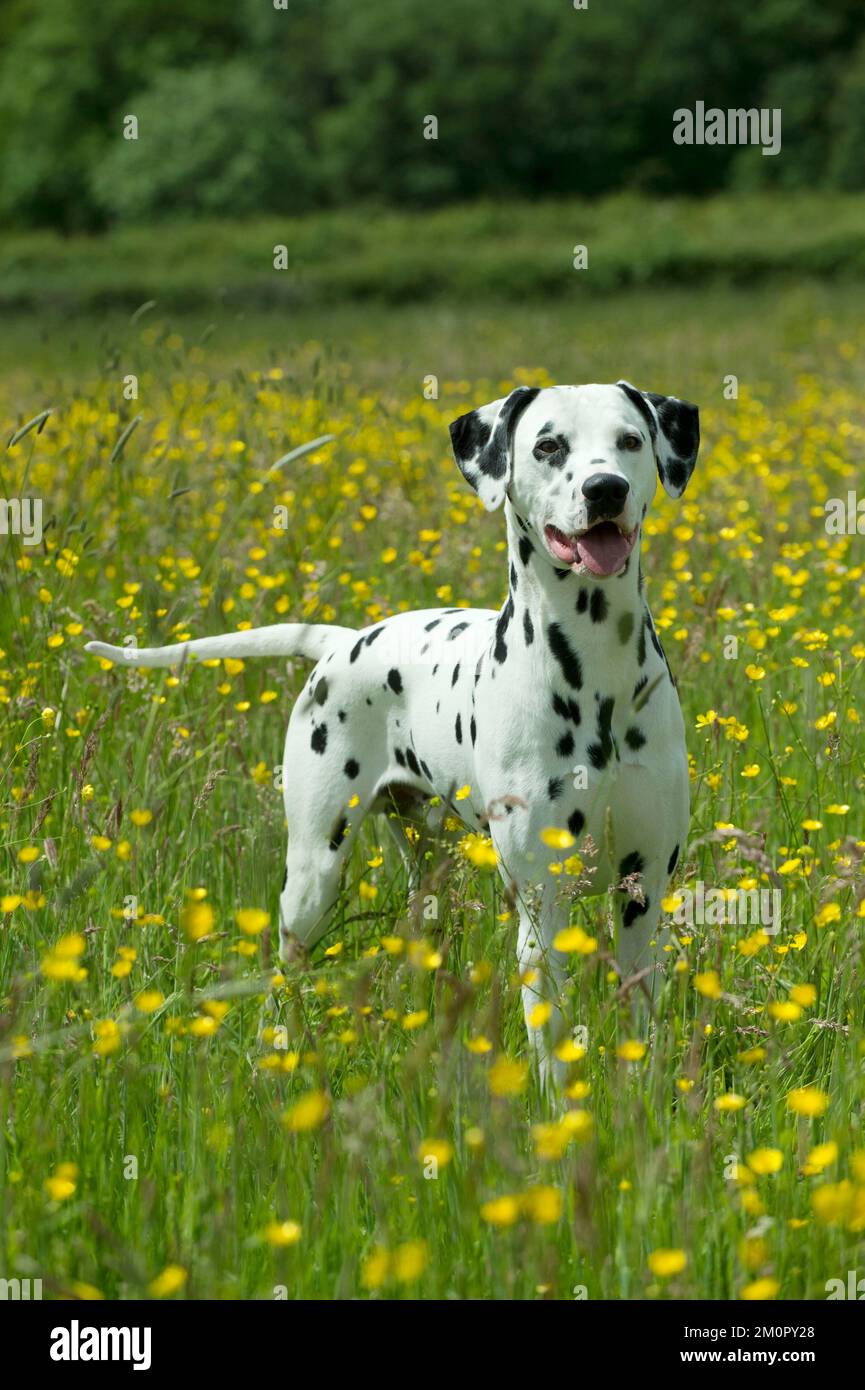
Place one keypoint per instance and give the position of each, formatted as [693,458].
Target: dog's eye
[547,446]
[631,442]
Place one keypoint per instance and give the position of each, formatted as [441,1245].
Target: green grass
[183,514]
[512,252]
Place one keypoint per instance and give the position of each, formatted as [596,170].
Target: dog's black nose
[606,492]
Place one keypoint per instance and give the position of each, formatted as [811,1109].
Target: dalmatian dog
[558,711]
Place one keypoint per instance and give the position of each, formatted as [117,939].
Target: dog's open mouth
[602,550]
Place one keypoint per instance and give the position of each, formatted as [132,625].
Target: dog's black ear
[482,441]
[675,429]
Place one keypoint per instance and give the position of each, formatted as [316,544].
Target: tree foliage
[243,107]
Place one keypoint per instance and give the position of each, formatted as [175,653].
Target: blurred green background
[304,126]
[248,109]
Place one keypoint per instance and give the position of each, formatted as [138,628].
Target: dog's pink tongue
[563,547]
[604,549]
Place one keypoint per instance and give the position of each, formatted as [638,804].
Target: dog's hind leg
[318,847]
[329,785]
[310,890]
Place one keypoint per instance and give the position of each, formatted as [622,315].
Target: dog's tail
[309,640]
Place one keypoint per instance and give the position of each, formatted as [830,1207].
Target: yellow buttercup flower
[808,1101]
[507,1077]
[149,1000]
[665,1263]
[576,940]
[170,1281]
[557,838]
[760,1289]
[307,1113]
[765,1161]
[281,1234]
[252,920]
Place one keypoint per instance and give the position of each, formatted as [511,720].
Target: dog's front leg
[543,975]
[638,943]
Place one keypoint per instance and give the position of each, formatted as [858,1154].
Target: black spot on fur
[376,632]
[425,770]
[635,738]
[641,685]
[526,549]
[566,709]
[555,788]
[513,576]
[456,675]
[458,729]
[456,630]
[633,911]
[500,650]
[428,627]
[641,646]
[599,606]
[599,752]
[318,742]
[469,434]
[528,628]
[677,473]
[565,745]
[352,768]
[638,399]
[400,756]
[566,656]
[394,680]
[412,762]
[356,650]
[625,627]
[632,863]
[582,600]
[673,860]
[473,730]
[321,691]
[576,821]
[340,714]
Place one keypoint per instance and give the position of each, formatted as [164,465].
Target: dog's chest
[570,753]
[533,721]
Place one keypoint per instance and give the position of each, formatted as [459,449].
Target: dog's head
[579,464]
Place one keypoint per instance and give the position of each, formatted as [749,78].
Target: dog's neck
[593,614]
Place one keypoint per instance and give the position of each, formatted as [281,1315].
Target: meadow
[181,1117]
